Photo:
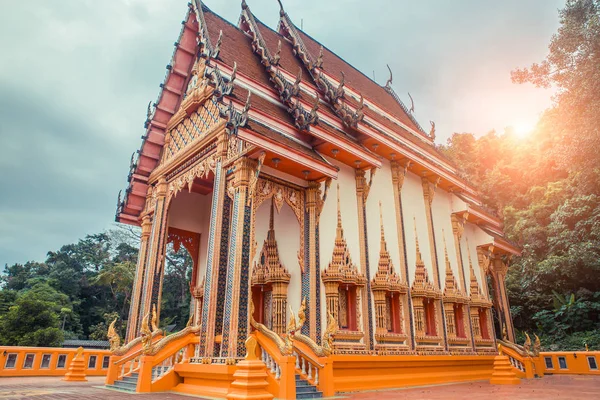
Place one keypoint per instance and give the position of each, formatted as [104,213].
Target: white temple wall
[441,208]
[382,191]
[413,206]
[328,223]
[475,237]
[191,212]
[457,204]
[287,234]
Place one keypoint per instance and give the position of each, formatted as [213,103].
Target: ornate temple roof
[292,98]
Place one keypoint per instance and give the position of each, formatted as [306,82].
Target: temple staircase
[305,390]
[126,383]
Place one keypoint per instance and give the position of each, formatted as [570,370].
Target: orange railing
[280,368]
[570,362]
[49,361]
[318,371]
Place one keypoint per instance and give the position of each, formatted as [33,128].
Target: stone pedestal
[251,377]
[76,372]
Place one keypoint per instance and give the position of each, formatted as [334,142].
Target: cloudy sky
[76,77]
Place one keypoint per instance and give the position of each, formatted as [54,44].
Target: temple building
[300,186]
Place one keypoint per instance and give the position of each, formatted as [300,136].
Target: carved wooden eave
[269,269]
[386,279]
[341,269]
[159,113]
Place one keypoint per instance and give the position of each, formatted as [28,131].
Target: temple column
[156,253]
[457,230]
[313,207]
[428,193]
[398,174]
[136,297]
[235,312]
[213,267]
[362,193]
[499,269]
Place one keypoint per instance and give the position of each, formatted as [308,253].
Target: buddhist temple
[321,220]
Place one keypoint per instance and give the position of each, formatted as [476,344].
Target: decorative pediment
[477,299]
[422,286]
[385,278]
[452,292]
[341,269]
[269,269]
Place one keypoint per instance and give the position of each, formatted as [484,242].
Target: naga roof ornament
[287,91]
[333,95]
[206,48]
[235,119]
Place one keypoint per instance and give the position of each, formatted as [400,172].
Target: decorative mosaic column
[235,313]
[458,227]
[428,193]
[156,253]
[362,193]
[398,174]
[215,238]
[136,298]
[311,285]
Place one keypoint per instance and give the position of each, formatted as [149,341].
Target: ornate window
[425,304]
[343,282]
[454,303]
[269,282]
[389,293]
[480,311]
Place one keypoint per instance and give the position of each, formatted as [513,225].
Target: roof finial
[388,84]
[419,260]
[340,232]
[383,244]
[271,216]
[445,248]
[244,5]
[412,104]
[281,10]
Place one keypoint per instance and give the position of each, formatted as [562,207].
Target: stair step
[130,379]
[119,388]
[125,385]
[306,389]
[317,395]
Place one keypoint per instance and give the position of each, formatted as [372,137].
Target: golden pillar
[362,193]
[136,298]
[399,170]
[153,278]
[428,194]
[314,204]
[458,227]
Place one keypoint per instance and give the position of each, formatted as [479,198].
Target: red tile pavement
[570,387]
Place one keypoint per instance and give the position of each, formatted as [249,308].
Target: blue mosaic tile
[242,327]
[230,277]
[222,266]
[305,281]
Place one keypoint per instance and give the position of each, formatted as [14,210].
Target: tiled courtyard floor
[550,387]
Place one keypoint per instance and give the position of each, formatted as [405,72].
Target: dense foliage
[547,188]
[80,289]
